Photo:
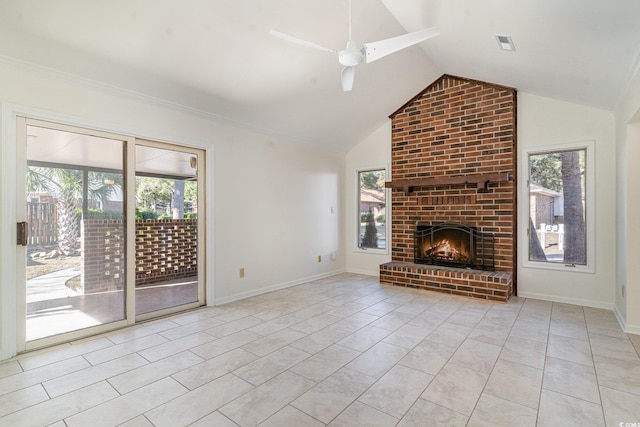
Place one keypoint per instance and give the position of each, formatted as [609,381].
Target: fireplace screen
[454,245]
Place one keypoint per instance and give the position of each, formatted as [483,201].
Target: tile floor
[342,351]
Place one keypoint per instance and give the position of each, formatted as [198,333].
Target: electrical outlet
[241,272]
[319,258]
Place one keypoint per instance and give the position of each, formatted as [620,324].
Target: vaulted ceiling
[217,58]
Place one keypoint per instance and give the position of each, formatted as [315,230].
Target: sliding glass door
[110,231]
[169,207]
[74,235]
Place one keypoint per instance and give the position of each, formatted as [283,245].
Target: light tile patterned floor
[342,351]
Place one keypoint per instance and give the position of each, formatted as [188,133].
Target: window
[560,198]
[372,210]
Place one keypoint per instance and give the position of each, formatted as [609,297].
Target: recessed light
[505,42]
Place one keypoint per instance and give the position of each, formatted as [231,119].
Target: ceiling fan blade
[300,41]
[348,75]
[379,49]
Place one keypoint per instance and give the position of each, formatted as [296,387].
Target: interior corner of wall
[619,310]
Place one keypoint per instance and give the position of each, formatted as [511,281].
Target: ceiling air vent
[505,42]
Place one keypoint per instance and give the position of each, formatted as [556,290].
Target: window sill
[371,251]
[568,268]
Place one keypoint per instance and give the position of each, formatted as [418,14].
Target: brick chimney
[454,160]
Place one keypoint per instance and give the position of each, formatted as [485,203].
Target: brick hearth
[492,285]
[449,143]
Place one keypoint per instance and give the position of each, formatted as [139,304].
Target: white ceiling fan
[352,56]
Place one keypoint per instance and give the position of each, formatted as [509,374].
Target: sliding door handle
[22,233]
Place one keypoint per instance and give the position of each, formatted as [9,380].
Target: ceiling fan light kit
[351,56]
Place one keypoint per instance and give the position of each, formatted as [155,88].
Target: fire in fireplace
[453,245]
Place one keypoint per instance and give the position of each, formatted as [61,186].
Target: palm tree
[102,185]
[67,184]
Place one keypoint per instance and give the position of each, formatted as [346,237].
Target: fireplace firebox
[454,245]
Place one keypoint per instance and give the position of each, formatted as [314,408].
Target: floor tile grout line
[595,371]
[492,368]
[344,367]
[460,306]
[544,366]
[542,388]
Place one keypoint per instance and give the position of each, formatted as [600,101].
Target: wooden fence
[41,220]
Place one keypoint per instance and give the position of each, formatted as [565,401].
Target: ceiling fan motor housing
[351,56]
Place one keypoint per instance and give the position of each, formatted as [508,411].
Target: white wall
[628,248]
[375,150]
[621,225]
[545,121]
[273,215]
[271,199]
[628,302]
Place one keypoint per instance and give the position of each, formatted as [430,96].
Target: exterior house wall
[542,210]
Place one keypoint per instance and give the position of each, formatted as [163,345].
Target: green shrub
[191,215]
[146,213]
[370,239]
[165,216]
[100,214]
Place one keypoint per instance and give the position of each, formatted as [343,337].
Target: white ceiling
[216,56]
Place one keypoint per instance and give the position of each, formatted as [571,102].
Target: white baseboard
[631,329]
[567,300]
[278,286]
[620,318]
[628,329]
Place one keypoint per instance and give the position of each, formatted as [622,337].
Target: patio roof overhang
[60,149]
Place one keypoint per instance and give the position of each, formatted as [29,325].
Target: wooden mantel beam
[481,181]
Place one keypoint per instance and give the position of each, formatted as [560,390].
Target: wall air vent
[505,42]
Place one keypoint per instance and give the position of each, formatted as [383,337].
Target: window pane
[372,212]
[166,229]
[76,249]
[557,201]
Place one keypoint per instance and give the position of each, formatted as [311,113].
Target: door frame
[201,233]
[22,344]
[9,151]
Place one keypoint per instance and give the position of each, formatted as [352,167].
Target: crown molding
[113,90]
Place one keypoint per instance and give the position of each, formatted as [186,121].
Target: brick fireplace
[454,161]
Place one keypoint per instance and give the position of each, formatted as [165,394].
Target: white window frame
[524,211]
[357,247]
